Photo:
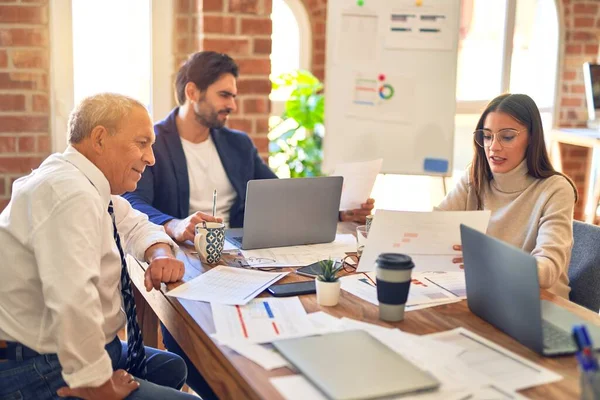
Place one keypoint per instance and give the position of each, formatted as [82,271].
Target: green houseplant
[296,141]
[327,283]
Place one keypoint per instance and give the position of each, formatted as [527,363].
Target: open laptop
[503,289]
[289,212]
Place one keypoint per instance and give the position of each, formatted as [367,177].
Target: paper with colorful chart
[388,96]
[428,237]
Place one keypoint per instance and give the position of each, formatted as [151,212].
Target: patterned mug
[209,241]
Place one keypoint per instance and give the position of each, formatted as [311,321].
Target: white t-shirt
[206,173]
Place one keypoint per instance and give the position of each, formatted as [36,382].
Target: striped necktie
[136,355]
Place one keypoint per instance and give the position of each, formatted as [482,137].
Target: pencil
[214,202]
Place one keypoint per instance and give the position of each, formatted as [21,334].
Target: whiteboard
[390,87]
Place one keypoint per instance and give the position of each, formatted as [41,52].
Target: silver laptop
[354,365]
[503,289]
[289,212]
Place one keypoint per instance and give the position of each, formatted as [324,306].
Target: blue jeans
[195,380]
[40,377]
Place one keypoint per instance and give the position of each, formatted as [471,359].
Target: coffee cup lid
[394,261]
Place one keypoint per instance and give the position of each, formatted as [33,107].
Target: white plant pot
[328,293]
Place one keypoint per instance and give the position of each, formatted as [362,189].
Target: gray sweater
[535,215]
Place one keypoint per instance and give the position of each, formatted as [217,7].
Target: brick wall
[242,29]
[24,92]
[581,20]
[317,12]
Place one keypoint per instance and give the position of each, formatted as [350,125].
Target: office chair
[584,269]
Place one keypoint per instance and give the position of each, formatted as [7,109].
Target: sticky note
[435,165]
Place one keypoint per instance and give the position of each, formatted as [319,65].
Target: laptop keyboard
[555,337]
[237,240]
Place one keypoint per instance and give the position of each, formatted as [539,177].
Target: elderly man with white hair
[65,289]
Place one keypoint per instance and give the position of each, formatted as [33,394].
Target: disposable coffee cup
[394,272]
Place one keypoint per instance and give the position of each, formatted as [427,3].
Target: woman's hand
[458,260]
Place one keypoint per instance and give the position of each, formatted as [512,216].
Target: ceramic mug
[209,241]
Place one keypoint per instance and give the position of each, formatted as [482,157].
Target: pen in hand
[214,210]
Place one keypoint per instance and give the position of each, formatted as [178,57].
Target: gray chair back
[584,269]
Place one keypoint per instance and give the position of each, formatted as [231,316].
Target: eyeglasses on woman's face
[506,137]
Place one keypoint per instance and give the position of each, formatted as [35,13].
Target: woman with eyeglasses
[511,175]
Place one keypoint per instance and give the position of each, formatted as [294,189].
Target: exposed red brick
[574,49]
[183,6]
[43,144]
[261,143]
[8,144]
[2,188]
[262,46]
[210,5]
[254,66]
[577,89]
[23,14]
[26,144]
[254,86]
[30,59]
[241,124]
[219,24]
[585,9]
[584,22]
[243,6]
[257,106]
[23,80]
[9,123]
[3,59]
[12,102]
[571,102]
[4,203]
[262,125]
[40,103]
[320,28]
[591,49]
[569,75]
[583,36]
[23,37]
[256,26]
[182,26]
[230,46]
[19,164]
[579,151]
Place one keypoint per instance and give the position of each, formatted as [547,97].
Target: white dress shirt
[60,268]
[206,173]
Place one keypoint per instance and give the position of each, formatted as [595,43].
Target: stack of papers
[226,285]
[426,289]
[297,256]
[359,179]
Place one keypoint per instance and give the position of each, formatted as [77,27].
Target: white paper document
[504,367]
[297,256]
[451,281]
[422,292]
[267,358]
[227,285]
[359,178]
[263,320]
[428,237]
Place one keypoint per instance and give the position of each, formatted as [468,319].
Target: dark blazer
[163,193]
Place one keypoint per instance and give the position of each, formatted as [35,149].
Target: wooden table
[590,139]
[234,377]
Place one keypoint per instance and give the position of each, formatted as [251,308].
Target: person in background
[66,291]
[511,175]
[196,154]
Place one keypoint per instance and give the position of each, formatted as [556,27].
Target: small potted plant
[328,284]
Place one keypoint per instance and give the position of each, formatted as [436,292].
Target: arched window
[291,44]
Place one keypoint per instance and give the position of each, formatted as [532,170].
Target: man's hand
[185,229]
[118,387]
[163,266]
[359,214]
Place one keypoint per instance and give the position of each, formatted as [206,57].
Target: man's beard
[210,117]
